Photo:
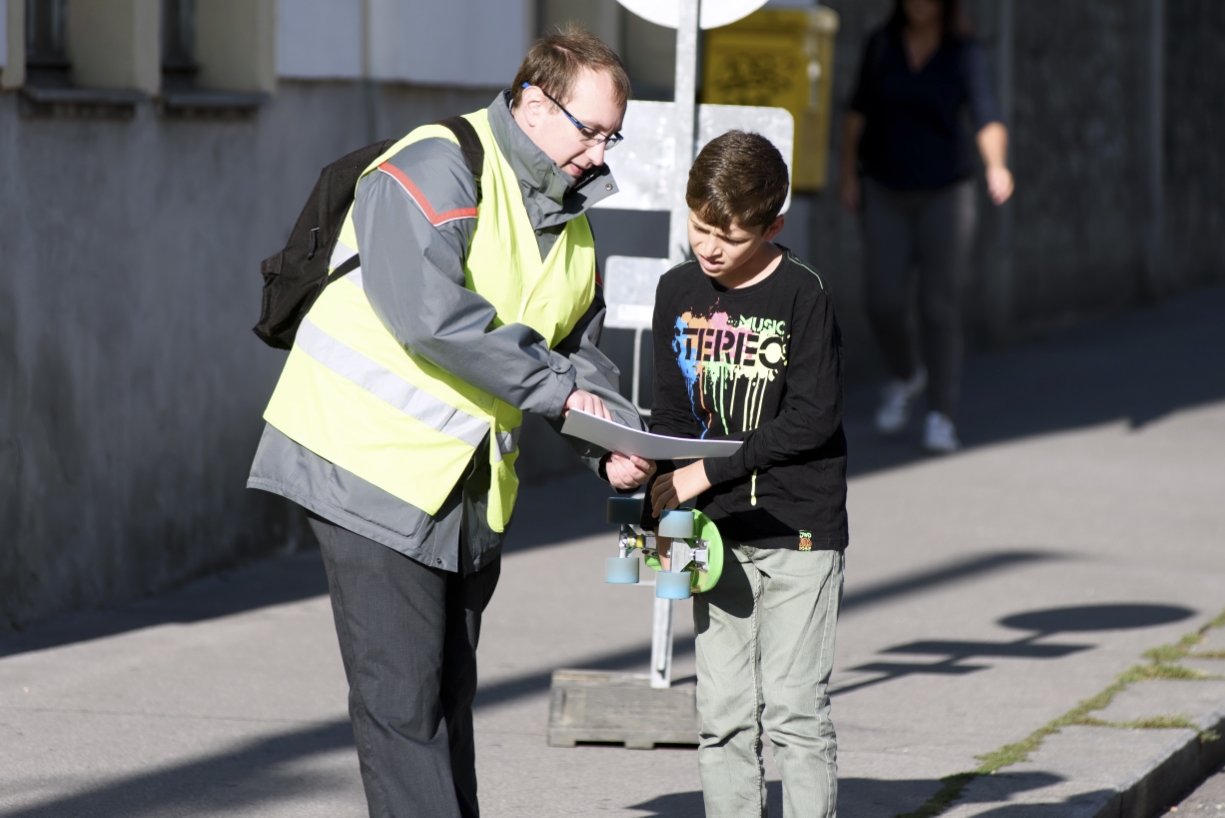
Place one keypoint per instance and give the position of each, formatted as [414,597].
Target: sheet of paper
[618,438]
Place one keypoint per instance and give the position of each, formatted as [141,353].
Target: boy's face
[728,255]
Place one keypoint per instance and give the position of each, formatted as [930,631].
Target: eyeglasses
[590,136]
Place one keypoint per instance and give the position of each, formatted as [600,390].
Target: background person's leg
[801,592]
[888,240]
[391,620]
[467,597]
[729,693]
[945,242]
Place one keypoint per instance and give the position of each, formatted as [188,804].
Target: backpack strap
[474,157]
[470,145]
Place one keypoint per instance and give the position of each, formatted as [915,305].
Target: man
[395,421]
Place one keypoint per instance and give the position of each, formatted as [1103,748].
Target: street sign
[715,13]
[645,163]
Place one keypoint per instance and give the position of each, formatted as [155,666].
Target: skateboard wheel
[669,585]
[677,524]
[621,570]
[624,510]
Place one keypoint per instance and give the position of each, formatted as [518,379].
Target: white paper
[618,438]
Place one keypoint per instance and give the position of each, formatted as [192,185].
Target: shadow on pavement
[859,797]
[1044,623]
[273,581]
[1140,367]
[215,784]
[529,684]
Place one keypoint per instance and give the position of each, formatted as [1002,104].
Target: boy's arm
[811,411]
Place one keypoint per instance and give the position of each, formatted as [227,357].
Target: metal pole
[1003,306]
[685,100]
[1156,147]
[686,110]
[661,644]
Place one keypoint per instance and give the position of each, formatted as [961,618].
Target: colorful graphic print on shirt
[728,364]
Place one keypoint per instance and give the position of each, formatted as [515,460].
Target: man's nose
[596,153]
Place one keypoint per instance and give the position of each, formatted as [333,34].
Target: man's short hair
[555,61]
[738,177]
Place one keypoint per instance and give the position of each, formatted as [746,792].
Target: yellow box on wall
[780,58]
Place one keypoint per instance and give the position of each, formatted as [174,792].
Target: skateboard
[696,552]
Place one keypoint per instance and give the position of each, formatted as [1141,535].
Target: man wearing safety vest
[395,422]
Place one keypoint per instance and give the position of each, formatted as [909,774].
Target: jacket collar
[552,197]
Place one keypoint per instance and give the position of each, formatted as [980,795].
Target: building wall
[131,386]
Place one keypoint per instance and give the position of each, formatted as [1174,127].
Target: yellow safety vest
[352,394]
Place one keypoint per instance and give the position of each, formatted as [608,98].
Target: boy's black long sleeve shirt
[761,364]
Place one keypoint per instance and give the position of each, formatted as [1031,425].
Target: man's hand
[628,471]
[586,402]
[672,489]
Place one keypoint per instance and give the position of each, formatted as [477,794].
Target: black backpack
[295,276]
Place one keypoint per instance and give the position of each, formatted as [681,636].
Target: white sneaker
[940,436]
[896,398]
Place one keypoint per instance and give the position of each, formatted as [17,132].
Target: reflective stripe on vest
[353,395]
[416,403]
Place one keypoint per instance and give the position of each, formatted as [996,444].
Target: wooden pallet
[620,708]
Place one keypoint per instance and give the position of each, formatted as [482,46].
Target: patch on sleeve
[805,540]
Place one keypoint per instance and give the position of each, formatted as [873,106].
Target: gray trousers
[408,636]
[931,232]
[765,651]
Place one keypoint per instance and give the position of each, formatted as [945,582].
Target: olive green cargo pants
[765,649]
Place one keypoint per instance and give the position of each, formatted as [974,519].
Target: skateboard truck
[696,553]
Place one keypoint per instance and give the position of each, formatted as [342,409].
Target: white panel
[714,13]
[448,42]
[319,39]
[629,290]
[643,163]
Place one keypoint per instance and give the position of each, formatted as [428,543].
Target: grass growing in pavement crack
[1156,723]
[1162,665]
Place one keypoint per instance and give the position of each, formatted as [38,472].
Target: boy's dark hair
[555,61]
[738,177]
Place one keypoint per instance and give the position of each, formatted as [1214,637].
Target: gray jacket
[413,273]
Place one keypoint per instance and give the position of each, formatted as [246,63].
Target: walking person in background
[907,165]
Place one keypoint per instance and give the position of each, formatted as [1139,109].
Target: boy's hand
[586,402]
[628,471]
[674,488]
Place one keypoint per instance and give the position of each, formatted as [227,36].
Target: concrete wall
[131,386]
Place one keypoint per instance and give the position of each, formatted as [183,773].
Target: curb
[1169,778]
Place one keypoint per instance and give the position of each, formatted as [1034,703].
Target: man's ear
[774,229]
[531,103]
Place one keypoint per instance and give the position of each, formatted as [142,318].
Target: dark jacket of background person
[915,136]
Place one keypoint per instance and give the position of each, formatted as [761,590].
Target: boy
[746,347]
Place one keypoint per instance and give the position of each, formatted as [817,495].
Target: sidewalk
[987,595]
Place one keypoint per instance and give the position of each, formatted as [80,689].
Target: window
[179,65]
[46,42]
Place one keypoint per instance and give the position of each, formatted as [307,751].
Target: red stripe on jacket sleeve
[417,196]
